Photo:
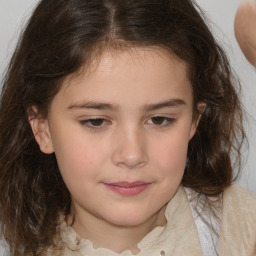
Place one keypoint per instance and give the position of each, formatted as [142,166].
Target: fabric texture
[208,221]
[238,231]
[180,235]
[4,249]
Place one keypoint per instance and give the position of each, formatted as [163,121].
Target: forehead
[147,73]
[106,61]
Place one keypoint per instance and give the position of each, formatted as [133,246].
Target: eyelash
[167,121]
[88,123]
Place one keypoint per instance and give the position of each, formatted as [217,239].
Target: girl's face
[120,132]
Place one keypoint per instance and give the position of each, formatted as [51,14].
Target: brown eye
[158,120]
[96,122]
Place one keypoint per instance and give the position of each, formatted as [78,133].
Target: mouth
[128,188]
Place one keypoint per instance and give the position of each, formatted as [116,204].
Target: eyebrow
[94,105]
[164,104]
[111,107]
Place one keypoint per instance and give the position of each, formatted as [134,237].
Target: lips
[128,188]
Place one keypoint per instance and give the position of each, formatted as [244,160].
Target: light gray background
[14,13]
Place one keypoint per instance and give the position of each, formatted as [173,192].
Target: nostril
[130,150]
[137,165]
[130,161]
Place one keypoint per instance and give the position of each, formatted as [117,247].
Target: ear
[200,110]
[41,131]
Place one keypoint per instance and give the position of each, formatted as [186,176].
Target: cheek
[80,170]
[79,159]
[171,156]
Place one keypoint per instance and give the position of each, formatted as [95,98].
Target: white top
[206,221]
[185,233]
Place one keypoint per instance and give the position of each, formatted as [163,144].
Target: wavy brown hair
[61,37]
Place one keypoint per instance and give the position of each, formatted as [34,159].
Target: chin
[128,220]
[128,223]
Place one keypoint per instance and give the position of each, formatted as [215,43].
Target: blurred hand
[245,30]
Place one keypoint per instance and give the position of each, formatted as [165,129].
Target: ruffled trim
[161,241]
[71,239]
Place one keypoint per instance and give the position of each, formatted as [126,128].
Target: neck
[116,238]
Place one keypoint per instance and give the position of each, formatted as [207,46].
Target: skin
[245,30]
[127,142]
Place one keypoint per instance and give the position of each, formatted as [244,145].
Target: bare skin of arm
[245,30]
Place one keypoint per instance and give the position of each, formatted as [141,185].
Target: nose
[130,150]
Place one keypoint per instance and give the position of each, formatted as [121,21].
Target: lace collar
[178,234]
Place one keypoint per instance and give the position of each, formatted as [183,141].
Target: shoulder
[239,205]
[238,196]
[245,31]
[245,18]
[238,231]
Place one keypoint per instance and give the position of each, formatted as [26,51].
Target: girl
[118,122]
